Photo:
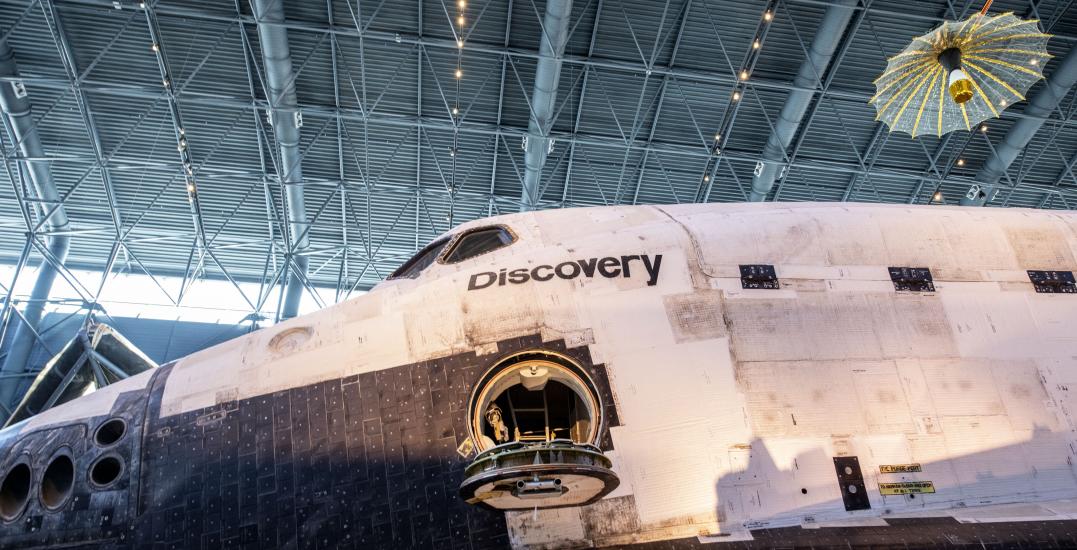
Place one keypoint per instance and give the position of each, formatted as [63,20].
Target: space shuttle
[683,376]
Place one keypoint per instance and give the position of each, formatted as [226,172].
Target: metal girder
[387,188]
[871,152]
[543,97]
[681,26]
[476,47]
[200,249]
[272,220]
[500,111]
[678,74]
[285,117]
[419,134]
[733,104]
[67,55]
[579,105]
[827,38]
[693,151]
[183,148]
[342,274]
[1067,171]
[15,104]
[1040,106]
[187,11]
[832,73]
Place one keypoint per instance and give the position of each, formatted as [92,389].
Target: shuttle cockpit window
[479,241]
[420,261]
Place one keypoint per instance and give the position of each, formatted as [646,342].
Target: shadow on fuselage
[801,502]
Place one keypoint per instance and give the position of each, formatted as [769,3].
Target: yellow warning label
[898,468]
[907,488]
[465,448]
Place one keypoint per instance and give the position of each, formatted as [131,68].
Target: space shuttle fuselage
[616,376]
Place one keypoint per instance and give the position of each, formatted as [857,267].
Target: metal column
[826,41]
[1039,108]
[285,117]
[543,97]
[16,108]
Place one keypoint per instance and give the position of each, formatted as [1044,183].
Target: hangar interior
[244,162]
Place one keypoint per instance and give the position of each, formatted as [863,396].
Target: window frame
[455,240]
[399,272]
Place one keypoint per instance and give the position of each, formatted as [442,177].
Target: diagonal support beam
[685,14]
[826,41]
[1039,108]
[67,54]
[579,107]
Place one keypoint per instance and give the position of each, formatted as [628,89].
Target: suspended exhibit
[960,74]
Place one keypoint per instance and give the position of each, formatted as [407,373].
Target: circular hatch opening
[534,398]
[110,432]
[535,419]
[14,491]
[57,481]
[105,471]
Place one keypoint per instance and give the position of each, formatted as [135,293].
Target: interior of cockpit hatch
[536,400]
[536,419]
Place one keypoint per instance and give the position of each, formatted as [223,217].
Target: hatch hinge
[912,279]
[758,276]
[1053,282]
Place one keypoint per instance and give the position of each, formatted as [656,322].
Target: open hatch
[96,357]
[535,419]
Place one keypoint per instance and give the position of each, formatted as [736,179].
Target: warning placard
[898,468]
[907,488]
